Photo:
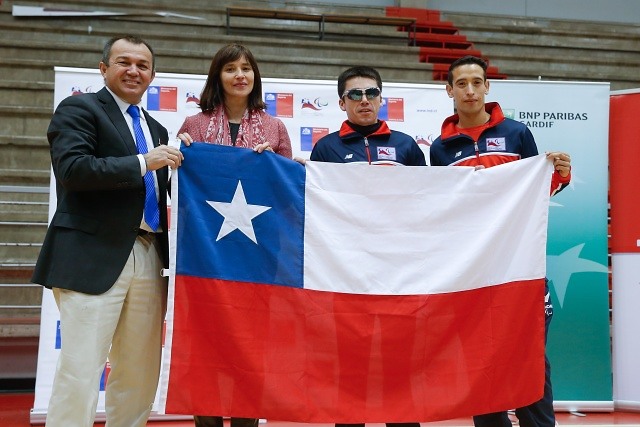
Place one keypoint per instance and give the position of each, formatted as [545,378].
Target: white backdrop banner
[567,116]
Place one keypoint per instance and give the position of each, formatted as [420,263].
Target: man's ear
[449,90]
[341,104]
[103,68]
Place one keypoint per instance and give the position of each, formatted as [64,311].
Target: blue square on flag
[237,225]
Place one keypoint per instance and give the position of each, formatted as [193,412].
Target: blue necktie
[151,211]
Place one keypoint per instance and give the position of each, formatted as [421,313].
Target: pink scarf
[250,134]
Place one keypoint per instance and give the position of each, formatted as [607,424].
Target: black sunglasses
[356,94]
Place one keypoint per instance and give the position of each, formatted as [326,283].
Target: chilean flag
[351,293]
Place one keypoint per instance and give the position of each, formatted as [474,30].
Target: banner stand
[625,246]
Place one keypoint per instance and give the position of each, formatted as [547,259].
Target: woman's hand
[185,138]
[263,147]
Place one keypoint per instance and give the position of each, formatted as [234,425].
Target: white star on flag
[238,214]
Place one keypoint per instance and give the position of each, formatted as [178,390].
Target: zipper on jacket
[366,147]
[475,147]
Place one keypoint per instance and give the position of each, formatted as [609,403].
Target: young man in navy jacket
[479,135]
[363,137]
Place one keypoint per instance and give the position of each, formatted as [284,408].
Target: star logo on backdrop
[561,267]
[238,214]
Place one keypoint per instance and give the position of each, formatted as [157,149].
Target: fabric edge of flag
[166,353]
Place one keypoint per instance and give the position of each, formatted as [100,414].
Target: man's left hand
[561,162]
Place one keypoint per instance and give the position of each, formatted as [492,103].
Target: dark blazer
[100,195]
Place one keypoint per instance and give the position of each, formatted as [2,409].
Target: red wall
[624,172]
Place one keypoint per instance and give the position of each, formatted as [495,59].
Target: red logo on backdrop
[162,98]
[315,105]
[395,109]
[422,140]
[310,135]
[191,98]
[76,90]
[318,133]
[279,104]
[284,105]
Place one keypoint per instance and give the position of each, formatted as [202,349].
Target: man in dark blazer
[101,256]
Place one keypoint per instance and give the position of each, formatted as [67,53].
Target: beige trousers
[124,325]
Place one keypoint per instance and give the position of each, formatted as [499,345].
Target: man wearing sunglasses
[362,137]
[365,139]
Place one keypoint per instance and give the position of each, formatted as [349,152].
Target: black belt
[142,232]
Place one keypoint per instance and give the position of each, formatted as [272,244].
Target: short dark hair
[213,94]
[106,51]
[466,60]
[358,71]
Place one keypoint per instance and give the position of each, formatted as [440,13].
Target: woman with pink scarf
[233,109]
[233,114]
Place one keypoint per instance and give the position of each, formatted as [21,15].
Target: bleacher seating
[427,20]
[403,24]
[445,55]
[552,49]
[440,41]
[444,41]
[441,71]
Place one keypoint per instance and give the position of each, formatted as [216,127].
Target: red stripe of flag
[250,350]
